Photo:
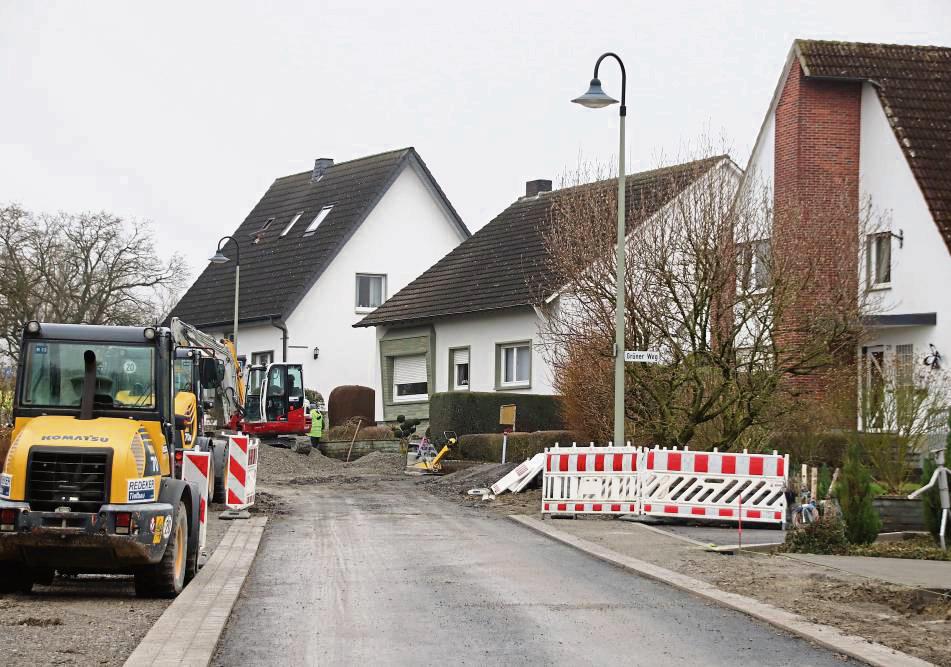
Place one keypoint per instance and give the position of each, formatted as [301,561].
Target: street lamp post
[220,258]
[596,98]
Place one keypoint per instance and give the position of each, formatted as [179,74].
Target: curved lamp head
[595,98]
[218,258]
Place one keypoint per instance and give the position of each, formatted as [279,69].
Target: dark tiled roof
[914,86]
[504,264]
[276,272]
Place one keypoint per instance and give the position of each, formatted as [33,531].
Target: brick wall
[816,187]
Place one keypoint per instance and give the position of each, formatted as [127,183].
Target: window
[371,291]
[267,225]
[873,387]
[515,364]
[319,218]
[54,375]
[754,265]
[262,358]
[878,259]
[410,382]
[904,366]
[292,222]
[459,368]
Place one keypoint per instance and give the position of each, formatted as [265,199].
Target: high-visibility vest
[316,423]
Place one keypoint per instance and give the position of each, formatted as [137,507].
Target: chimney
[534,188]
[321,165]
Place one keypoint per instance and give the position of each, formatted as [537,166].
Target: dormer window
[292,222]
[319,218]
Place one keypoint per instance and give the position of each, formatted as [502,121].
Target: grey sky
[183,113]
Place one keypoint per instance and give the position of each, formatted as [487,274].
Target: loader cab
[89,372]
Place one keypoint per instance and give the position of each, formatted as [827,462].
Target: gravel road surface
[383,573]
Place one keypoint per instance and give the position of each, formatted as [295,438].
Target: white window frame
[410,398]
[319,218]
[292,223]
[256,356]
[749,266]
[871,259]
[516,383]
[454,369]
[356,296]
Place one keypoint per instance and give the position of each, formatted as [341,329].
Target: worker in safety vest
[316,426]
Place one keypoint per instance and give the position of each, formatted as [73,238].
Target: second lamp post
[596,98]
[220,258]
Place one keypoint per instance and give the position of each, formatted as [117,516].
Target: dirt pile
[277,465]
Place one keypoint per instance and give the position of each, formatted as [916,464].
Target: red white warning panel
[196,467]
[242,472]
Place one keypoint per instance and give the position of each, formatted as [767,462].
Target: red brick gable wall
[816,190]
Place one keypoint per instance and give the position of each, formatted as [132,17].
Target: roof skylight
[319,218]
[292,222]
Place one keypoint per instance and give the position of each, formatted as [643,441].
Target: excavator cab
[275,400]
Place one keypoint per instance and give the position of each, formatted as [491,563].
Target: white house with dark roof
[319,251]
[476,319]
[869,122]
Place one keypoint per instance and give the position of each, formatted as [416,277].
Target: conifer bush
[854,491]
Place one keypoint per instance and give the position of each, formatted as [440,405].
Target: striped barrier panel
[241,478]
[196,467]
[714,485]
[519,477]
[590,480]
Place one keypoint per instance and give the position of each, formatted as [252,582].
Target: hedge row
[488,446]
[478,412]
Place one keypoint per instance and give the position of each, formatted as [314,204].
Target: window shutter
[409,370]
[460,357]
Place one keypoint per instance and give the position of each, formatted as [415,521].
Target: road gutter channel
[187,632]
[823,635]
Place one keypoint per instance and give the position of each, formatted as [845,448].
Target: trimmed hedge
[348,401]
[478,412]
[488,446]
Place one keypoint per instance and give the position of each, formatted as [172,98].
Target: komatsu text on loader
[88,484]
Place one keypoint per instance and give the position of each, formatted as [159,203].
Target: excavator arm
[232,385]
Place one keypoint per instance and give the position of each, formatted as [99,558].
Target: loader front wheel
[15,578]
[166,579]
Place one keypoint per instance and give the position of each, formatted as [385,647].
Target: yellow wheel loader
[88,485]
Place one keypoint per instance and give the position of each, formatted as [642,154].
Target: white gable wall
[406,233]
[921,268]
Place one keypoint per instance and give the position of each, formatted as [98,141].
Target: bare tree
[92,268]
[735,313]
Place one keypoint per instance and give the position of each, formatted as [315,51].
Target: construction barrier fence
[665,482]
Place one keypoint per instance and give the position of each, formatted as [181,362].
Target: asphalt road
[389,575]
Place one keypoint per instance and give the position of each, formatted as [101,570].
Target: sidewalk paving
[902,571]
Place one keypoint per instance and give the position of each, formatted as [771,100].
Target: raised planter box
[899,514]
[338,450]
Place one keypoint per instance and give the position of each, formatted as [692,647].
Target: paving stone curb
[187,632]
[823,635]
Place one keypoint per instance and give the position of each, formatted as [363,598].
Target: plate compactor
[422,457]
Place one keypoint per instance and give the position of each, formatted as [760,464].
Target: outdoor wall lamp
[316,352]
[900,236]
[596,98]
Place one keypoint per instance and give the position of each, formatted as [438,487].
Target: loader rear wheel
[166,579]
[15,578]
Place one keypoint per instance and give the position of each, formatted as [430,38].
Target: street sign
[642,356]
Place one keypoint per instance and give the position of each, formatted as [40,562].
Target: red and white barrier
[591,480]
[241,477]
[714,485]
[196,467]
[662,482]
